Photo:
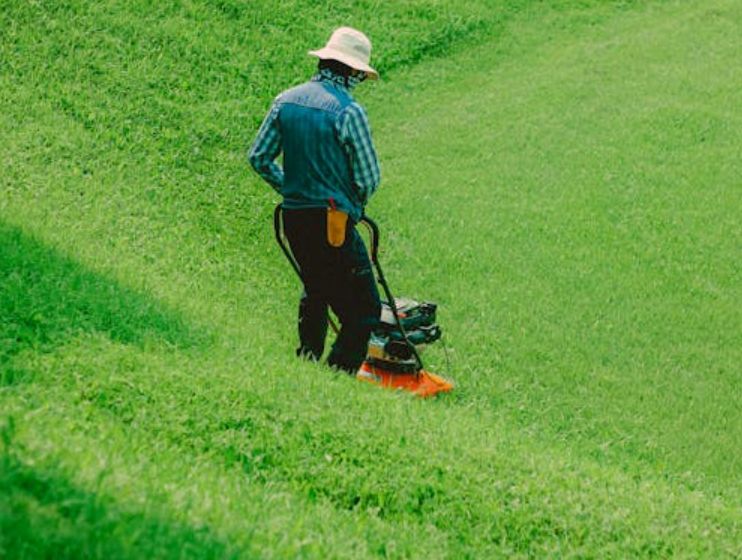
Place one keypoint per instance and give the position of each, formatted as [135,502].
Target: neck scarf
[348,82]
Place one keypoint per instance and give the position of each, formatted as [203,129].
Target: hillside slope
[562,177]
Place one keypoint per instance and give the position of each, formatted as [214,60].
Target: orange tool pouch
[336,223]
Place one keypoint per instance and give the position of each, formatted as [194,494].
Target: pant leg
[306,231]
[357,304]
[312,326]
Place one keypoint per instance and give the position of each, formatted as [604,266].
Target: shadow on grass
[44,515]
[47,298]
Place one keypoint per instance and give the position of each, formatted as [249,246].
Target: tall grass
[560,177]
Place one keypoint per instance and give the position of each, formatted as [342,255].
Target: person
[330,170]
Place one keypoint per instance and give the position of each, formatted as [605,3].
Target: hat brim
[332,54]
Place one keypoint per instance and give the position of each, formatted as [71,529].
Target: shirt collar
[327,75]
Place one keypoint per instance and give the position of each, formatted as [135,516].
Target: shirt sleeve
[356,133]
[266,148]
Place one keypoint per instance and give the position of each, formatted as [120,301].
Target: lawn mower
[405,328]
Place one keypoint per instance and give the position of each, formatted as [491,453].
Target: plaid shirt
[353,132]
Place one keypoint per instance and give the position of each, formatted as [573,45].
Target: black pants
[340,278]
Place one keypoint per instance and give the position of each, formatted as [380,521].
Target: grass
[560,177]
[624,241]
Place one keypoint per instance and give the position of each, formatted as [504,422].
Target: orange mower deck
[422,383]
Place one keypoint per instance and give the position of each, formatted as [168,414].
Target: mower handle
[278,229]
[373,231]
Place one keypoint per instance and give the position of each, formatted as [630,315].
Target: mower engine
[387,347]
[393,363]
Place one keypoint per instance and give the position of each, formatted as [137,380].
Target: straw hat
[351,47]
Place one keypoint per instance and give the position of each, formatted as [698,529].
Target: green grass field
[561,176]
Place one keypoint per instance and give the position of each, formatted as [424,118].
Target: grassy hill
[561,177]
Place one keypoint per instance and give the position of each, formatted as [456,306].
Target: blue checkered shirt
[353,133]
